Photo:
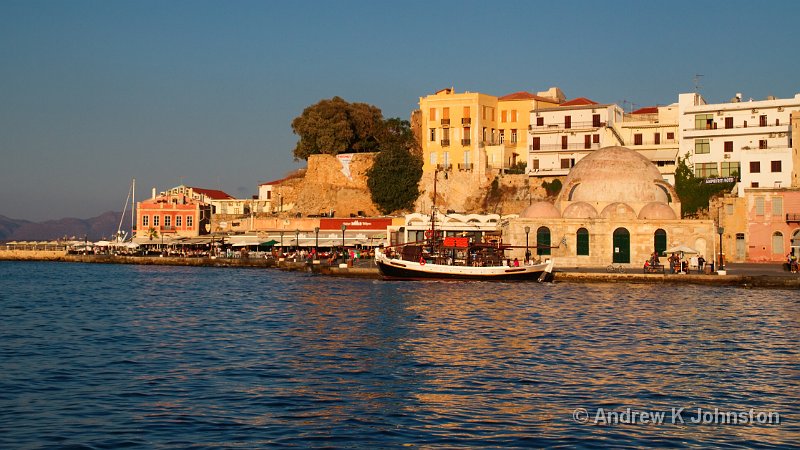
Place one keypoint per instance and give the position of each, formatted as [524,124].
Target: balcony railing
[446,122]
[445,142]
[466,142]
[443,167]
[573,125]
[466,121]
[792,218]
[652,142]
[465,166]
[551,147]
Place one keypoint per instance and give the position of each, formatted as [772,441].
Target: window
[777,122]
[705,170]
[543,240]
[536,143]
[702,146]
[564,143]
[446,159]
[513,136]
[775,166]
[729,209]
[502,136]
[759,206]
[167,221]
[595,120]
[178,221]
[755,166]
[777,206]
[657,138]
[587,141]
[503,116]
[728,146]
[703,121]
[156,221]
[729,122]
[565,164]
[762,121]
[513,115]
[434,157]
[754,184]
[269,195]
[535,164]
[660,241]
[445,113]
[145,221]
[540,121]
[433,134]
[596,139]
[466,112]
[567,122]
[744,124]
[637,139]
[729,169]
[466,159]
[670,136]
[189,221]
[445,137]
[762,143]
[432,114]
[582,238]
[467,139]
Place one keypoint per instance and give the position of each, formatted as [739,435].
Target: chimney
[154,193]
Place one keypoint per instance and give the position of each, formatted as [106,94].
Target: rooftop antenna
[696,80]
[631,107]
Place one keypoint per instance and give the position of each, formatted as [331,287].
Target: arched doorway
[582,240]
[796,243]
[777,243]
[660,242]
[622,246]
[543,241]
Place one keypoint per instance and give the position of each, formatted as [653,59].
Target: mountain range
[96,228]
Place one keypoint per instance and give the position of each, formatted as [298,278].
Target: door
[740,247]
[622,246]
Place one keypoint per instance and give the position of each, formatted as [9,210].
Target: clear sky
[94,93]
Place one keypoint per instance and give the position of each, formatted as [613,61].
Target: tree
[393,179]
[518,168]
[694,192]
[335,126]
[552,188]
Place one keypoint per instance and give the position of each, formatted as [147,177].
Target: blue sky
[94,93]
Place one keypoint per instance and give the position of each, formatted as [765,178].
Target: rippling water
[109,356]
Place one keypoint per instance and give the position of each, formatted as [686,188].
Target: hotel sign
[355,224]
[720,180]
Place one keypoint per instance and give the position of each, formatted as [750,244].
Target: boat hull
[394,269]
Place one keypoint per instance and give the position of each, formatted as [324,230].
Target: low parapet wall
[33,255]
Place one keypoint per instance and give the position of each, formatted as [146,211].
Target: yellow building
[473,131]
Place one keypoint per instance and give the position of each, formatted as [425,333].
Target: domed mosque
[614,207]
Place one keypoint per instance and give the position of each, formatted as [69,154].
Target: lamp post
[316,242]
[344,228]
[296,240]
[527,251]
[721,230]
[281,241]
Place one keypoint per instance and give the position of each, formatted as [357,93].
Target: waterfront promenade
[767,275]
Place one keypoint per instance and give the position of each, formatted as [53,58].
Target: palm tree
[152,233]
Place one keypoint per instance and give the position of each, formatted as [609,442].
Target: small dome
[657,211]
[540,210]
[618,211]
[614,174]
[580,210]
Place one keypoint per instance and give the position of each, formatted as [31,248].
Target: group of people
[791,261]
[676,263]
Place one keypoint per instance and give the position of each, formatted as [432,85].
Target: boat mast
[433,211]
[133,207]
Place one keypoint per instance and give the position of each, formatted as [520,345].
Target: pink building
[773,221]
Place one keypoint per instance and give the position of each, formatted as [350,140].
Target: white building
[748,139]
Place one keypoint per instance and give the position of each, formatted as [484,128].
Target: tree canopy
[335,126]
[694,192]
[393,179]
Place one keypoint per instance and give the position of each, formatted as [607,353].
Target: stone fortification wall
[327,187]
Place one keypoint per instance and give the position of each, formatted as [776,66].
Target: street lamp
[721,230]
[344,228]
[527,251]
[316,243]
[281,241]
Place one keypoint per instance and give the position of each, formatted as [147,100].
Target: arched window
[572,191]
[660,241]
[777,243]
[543,241]
[622,246]
[582,238]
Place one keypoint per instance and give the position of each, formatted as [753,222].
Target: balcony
[465,166]
[573,126]
[466,121]
[445,122]
[716,129]
[466,142]
[444,167]
[569,147]
[792,218]
[445,142]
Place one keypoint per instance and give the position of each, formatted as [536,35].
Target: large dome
[540,210]
[614,174]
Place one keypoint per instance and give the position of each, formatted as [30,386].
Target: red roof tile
[522,95]
[580,101]
[212,193]
[647,110]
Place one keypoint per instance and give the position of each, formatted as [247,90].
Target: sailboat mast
[133,207]
[433,210]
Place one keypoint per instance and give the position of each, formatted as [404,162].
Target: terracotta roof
[273,182]
[580,101]
[522,95]
[212,193]
[647,110]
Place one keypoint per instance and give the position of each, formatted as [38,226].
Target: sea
[97,356]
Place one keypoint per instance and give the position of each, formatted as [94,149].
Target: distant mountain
[96,228]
